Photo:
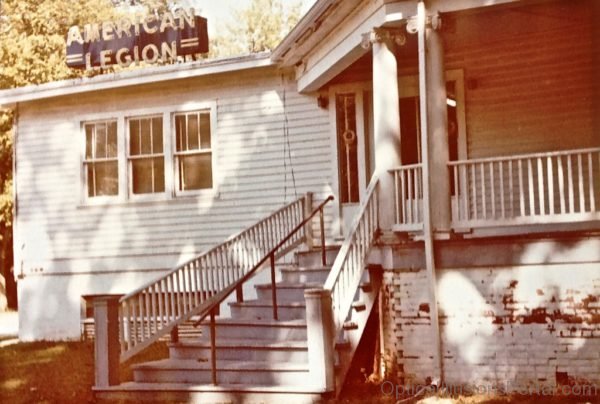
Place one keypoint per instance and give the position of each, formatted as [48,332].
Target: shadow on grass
[56,372]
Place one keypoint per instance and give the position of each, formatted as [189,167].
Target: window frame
[85,162]
[171,194]
[211,108]
[129,159]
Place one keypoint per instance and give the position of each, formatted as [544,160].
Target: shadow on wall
[527,326]
[64,242]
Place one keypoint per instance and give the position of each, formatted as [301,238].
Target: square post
[106,344]
[308,229]
[320,332]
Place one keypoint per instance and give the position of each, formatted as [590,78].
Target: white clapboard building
[460,141]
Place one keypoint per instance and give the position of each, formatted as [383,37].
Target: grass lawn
[63,372]
[55,372]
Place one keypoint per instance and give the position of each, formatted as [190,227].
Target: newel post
[308,228]
[320,332]
[106,340]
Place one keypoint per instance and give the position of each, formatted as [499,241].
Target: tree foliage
[32,51]
[257,28]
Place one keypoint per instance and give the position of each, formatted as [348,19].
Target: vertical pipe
[213,350]
[322,224]
[427,224]
[273,286]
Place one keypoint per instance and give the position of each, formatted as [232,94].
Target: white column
[386,117]
[437,116]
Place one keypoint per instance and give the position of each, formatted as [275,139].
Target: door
[353,134]
[351,109]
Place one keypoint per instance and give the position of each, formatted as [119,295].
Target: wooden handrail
[264,259]
[408,197]
[524,156]
[159,307]
[212,308]
[527,189]
[344,279]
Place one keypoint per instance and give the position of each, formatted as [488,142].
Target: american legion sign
[146,38]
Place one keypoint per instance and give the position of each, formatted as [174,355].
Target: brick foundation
[526,326]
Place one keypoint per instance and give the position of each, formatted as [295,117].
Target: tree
[32,51]
[258,28]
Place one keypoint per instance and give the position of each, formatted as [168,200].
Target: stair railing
[200,285]
[345,276]
[211,310]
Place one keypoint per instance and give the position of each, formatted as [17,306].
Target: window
[193,153]
[348,147]
[101,159]
[146,157]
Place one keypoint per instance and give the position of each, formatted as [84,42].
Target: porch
[525,191]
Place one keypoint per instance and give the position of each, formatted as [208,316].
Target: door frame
[358,89]
[408,85]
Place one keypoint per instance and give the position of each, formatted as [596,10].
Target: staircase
[258,359]
[292,344]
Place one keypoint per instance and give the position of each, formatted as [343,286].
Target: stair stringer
[368,295]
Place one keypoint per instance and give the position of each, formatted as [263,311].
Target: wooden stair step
[208,393]
[228,371]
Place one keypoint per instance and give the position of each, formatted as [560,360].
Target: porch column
[437,116]
[386,117]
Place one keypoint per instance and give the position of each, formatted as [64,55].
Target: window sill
[184,197]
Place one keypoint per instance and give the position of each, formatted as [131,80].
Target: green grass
[63,372]
[47,372]
[55,372]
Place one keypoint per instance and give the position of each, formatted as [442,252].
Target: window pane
[192,132]
[205,130]
[159,174]
[112,139]
[100,141]
[347,147]
[89,131]
[142,176]
[157,135]
[180,131]
[195,172]
[145,136]
[103,179]
[148,175]
[134,139]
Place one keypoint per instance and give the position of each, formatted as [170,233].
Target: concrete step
[207,393]
[313,257]
[286,291]
[301,274]
[250,329]
[243,350]
[263,309]
[228,372]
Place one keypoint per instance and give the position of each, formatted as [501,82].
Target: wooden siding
[528,74]
[55,225]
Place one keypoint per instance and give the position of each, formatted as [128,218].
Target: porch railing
[408,191]
[527,189]
[158,307]
[348,268]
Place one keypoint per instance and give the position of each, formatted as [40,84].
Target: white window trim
[208,192]
[85,198]
[152,196]
[124,196]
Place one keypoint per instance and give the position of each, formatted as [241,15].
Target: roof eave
[298,31]
[133,77]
